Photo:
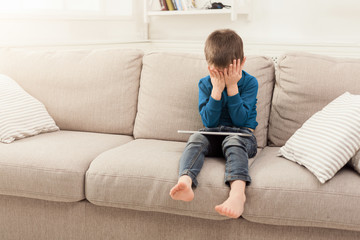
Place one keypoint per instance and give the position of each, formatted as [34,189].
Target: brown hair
[222,47]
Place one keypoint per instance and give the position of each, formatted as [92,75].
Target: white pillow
[21,115]
[327,141]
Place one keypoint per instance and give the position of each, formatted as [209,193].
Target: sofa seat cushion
[285,193]
[52,166]
[140,174]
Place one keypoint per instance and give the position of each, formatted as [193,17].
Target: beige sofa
[107,174]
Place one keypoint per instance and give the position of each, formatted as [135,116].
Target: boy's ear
[243,62]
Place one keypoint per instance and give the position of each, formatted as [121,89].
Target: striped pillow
[21,115]
[327,140]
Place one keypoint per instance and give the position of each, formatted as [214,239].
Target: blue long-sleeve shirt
[237,111]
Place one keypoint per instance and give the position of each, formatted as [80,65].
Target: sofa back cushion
[305,83]
[84,90]
[168,95]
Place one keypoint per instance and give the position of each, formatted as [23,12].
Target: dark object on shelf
[163,5]
[218,5]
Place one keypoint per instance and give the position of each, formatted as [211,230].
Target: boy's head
[222,47]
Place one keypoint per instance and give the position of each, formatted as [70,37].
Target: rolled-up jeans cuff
[244,178]
[191,175]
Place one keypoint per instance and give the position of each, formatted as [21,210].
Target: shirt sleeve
[241,104]
[209,108]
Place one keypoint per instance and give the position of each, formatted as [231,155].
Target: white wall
[57,31]
[30,30]
[322,26]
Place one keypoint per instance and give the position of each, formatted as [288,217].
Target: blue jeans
[235,149]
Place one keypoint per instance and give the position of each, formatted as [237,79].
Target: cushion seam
[153,178]
[297,219]
[303,191]
[149,206]
[39,193]
[325,58]
[39,168]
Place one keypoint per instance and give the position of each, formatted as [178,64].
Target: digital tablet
[215,133]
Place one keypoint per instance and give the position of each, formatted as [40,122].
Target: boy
[227,103]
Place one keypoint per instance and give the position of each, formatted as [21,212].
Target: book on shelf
[170,5]
[174,4]
[178,5]
[163,5]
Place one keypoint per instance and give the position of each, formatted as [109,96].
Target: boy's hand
[218,82]
[233,75]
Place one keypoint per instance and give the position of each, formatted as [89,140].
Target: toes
[232,214]
[219,208]
[174,190]
[182,192]
[222,210]
[226,211]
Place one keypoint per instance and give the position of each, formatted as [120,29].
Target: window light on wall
[97,7]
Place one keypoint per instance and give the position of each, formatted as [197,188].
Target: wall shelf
[243,7]
[189,12]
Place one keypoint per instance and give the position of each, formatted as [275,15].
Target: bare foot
[182,190]
[233,207]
